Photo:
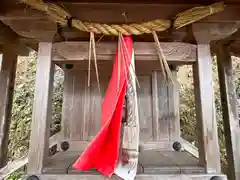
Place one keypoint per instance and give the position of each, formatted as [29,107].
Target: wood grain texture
[42,110]
[7,79]
[145,108]
[143,68]
[165,98]
[82,106]
[82,109]
[160,107]
[144,51]
[145,145]
[229,109]
[205,110]
[173,108]
[96,99]
[74,105]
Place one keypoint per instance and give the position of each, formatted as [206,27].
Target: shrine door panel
[82,106]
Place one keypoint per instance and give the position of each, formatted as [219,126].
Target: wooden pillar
[174,108]
[229,109]
[42,110]
[7,78]
[209,153]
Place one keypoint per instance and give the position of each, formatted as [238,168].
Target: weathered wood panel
[165,98]
[82,106]
[173,108]
[7,77]
[75,106]
[205,110]
[160,107]
[96,99]
[229,109]
[67,104]
[144,95]
[42,110]
[144,51]
[143,68]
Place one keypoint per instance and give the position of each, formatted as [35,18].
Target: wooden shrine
[164,154]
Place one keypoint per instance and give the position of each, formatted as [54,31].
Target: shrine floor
[153,165]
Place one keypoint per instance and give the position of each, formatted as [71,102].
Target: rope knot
[69,21]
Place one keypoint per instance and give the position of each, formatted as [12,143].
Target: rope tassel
[164,65]
[92,49]
[127,56]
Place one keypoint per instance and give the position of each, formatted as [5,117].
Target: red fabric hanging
[102,152]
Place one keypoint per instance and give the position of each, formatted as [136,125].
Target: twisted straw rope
[61,16]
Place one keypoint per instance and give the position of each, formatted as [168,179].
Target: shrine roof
[33,25]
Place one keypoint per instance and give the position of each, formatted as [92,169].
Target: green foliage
[22,107]
[57,101]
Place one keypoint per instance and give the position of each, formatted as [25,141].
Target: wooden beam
[205,110]
[187,146]
[21,45]
[204,33]
[80,146]
[22,51]
[35,24]
[42,109]
[78,51]
[105,11]
[229,109]
[12,167]
[44,30]
[7,79]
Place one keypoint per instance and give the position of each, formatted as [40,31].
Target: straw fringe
[196,14]
[61,16]
[164,65]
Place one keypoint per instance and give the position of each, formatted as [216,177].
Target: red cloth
[102,152]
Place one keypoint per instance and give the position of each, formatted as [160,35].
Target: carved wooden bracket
[204,33]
